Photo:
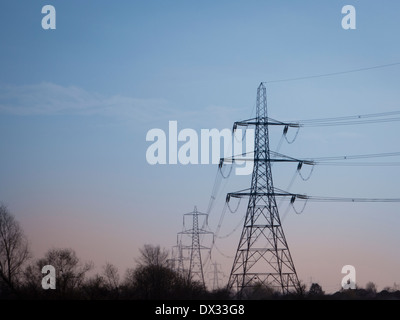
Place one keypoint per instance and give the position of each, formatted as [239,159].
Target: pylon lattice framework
[215,276]
[176,262]
[262,256]
[196,267]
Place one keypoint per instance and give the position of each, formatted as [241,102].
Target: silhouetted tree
[153,279]
[301,290]
[32,282]
[95,288]
[370,287]
[14,249]
[395,288]
[102,286]
[315,290]
[111,276]
[153,256]
[258,292]
[70,273]
[112,280]
[221,294]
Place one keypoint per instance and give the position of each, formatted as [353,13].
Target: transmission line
[334,73]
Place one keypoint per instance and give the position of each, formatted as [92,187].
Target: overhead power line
[345,160]
[347,123]
[341,199]
[359,156]
[391,116]
[353,117]
[293,196]
[334,73]
[382,117]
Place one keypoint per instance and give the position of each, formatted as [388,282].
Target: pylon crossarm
[264,122]
[260,194]
[233,159]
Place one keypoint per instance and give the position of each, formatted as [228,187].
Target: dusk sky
[76,104]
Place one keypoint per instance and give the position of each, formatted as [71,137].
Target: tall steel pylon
[196,266]
[262,256]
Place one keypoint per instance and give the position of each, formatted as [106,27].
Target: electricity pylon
[215,276]
[176,262]
[262,256]
[196,266]
[180,268]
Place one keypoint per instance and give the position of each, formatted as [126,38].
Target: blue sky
[76,104]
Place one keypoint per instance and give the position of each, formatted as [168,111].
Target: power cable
[334,73]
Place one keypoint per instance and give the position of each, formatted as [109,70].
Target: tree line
[152,278]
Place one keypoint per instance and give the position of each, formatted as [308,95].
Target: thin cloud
[52,99]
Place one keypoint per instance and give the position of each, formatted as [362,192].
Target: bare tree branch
[153,256]
[14,249]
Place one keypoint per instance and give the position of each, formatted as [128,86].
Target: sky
[77,102]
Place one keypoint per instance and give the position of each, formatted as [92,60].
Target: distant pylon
[196,267]
[176,262]
[215,278]
[262,256]
[180,268]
